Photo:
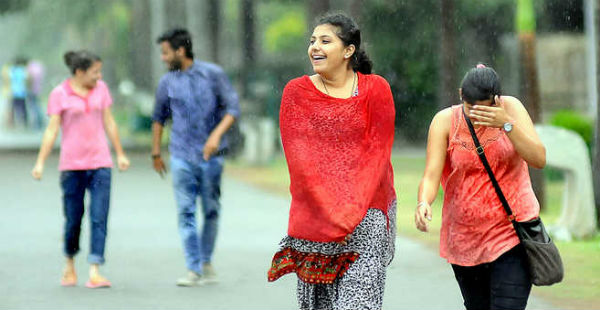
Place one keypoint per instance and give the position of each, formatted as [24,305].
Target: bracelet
[422,203]
[155,156]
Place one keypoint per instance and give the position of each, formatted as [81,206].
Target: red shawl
[338,154]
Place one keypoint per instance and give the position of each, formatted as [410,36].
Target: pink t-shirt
[83,145]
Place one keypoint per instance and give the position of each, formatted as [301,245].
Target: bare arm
[437,143]
[214,140]
[523,135]
[46,148]
[224,125]
[157,162]
[113,134]
[157,130]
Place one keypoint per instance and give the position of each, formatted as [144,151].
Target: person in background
[35,72]
[6,117]
[80,108]
[477,237]
[18,86]
[202,105]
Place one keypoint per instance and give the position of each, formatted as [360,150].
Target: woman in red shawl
[337,129]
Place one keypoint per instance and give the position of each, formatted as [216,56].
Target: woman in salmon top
[337,129]
[80,108]
[477,237]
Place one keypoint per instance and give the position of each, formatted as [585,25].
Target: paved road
[144,255]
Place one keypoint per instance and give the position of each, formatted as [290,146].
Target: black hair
[177,38]
[349,33]
[81,60]
[21,60]
[480,83]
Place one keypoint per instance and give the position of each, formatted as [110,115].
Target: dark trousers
[74,184]
[19,112]
[501,284]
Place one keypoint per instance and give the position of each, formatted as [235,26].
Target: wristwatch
[508,127]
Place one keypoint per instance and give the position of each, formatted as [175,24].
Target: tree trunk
[596,159]
[214,28]
[175,12]
[449,83]
[157,28]
[530,78]
[355,9]
[525,26]
[315,9]
[531,92]
[141,45]
[247,15]
[197,27]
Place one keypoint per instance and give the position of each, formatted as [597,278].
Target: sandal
[68,280]
[98,283]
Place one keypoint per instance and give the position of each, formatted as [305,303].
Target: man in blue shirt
[202,105]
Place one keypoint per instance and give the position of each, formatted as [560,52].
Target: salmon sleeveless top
[475,227]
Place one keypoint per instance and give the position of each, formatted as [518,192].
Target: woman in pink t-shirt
[80,107]
[477,237]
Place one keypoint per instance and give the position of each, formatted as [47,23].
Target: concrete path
[144,255]
[13,139]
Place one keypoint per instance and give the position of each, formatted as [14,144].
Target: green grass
[581,285]
[579,289]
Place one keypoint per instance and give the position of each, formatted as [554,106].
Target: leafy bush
[286,33]
[403,40]
[404,51]
[576,122]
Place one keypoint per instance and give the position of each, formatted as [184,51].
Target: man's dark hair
[177,38]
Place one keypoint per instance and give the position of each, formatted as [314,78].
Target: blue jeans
[190,181]
[33,107]
[74,184]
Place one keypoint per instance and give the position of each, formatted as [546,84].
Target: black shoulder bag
[545,264]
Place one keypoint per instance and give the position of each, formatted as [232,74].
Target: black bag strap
[486,164]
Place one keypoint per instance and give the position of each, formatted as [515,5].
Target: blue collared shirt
[196,100]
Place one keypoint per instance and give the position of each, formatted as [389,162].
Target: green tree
[13,5]
[101,26]
[401,37]
[448,57]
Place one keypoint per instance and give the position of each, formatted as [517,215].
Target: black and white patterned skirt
[361,285]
